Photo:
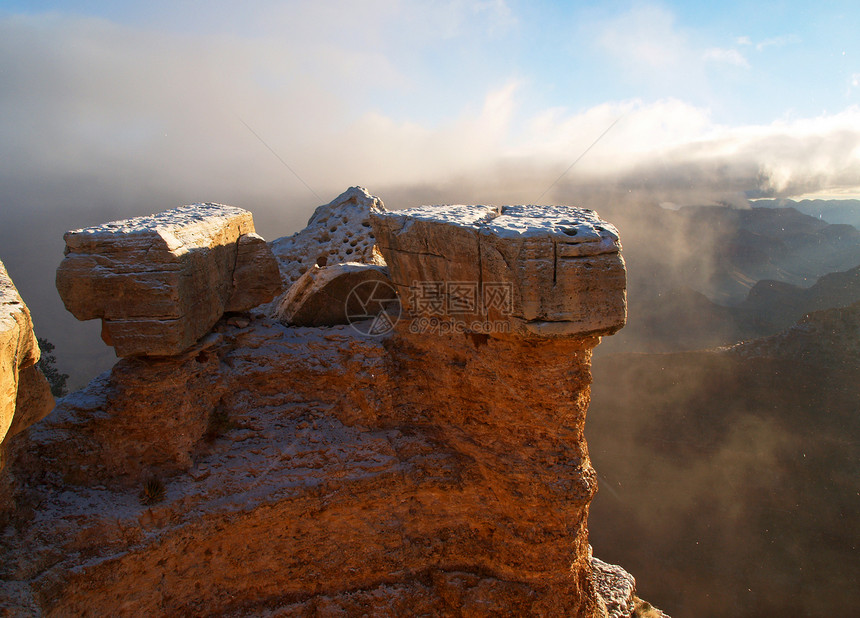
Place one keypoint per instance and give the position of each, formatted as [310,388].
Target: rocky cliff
[426,457]
[25,396]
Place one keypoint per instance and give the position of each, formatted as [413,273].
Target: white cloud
[406,152]
[727,56]
[778,41]
[677,152]
[85,100]
[660,56]
[643,130]
[646,37]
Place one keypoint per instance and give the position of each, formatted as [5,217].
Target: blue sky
[410,92]
[746,61]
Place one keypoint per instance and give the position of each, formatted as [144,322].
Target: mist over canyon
[710,468]
[217,457]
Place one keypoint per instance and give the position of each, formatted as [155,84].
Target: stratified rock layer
[559,267]
[25,396]
[160,282]
[256,279]
[336,233]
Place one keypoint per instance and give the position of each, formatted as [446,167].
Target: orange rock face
[320,471]
[347,472]
[25,396]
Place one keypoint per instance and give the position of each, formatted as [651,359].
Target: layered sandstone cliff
[432,467]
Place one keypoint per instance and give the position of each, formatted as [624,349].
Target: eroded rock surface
[160,282]
[25,396]
[421,470]
[559,266]
[316,471]
[616,588]
[337,232]
[256,279]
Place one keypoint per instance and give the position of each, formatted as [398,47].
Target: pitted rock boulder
[161,282]
[25,396]
[531,271]
[337,232]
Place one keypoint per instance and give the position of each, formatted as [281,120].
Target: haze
[111,110]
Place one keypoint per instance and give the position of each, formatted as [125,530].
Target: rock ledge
[530,271]
[160,282]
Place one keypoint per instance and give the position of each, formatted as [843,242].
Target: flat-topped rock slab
[526,270]
[160,282]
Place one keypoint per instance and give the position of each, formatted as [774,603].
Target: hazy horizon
[115,110]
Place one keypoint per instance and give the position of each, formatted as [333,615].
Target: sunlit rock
[535,271]
[337,232]
[321,471]
[337,294]
[25,396]
[255,278]
[160,282]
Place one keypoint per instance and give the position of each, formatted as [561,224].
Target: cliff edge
[425,457]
